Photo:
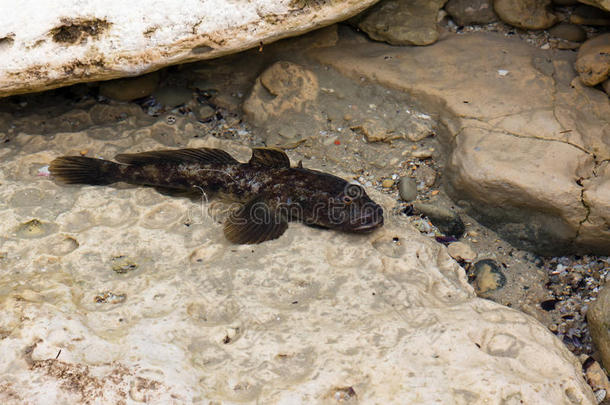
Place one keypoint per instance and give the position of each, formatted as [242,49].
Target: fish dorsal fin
[254,222]
[201,155]
[269,157]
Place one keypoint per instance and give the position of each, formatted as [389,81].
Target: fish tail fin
[84,170]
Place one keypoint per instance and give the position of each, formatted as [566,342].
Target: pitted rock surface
[119,299]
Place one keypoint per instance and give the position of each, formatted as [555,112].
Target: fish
[269,191]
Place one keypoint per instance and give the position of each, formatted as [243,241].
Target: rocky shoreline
[465,153]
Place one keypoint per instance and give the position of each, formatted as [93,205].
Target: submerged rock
[288,90]
[569,32]
[534,175]
[588,15]
[130,88]
[313,314]
[402,22]
[466,12]
[407,188]
[488,277]
[526,14]
[445,219]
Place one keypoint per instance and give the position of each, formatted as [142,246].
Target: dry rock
[44,46]
[593,62]
[461,251]
[402,22]
[526,14]
[466,12]
[533,198]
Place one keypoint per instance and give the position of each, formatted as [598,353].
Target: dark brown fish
[272,192]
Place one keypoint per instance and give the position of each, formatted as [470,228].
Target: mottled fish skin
[289,193]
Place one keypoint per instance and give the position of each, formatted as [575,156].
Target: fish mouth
[368,223]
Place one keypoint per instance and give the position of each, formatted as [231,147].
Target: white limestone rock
[44,44]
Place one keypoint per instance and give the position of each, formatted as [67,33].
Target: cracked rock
[524,148]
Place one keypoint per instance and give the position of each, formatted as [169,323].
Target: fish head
[351,210]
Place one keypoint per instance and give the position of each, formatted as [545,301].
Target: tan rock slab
[522,105]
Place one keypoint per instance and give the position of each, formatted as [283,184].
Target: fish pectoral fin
[200,155]
[193,193]
[254,222]
[269,157]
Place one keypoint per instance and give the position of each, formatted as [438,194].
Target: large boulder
[603,4]
[593,62]
[526,14]
[44,45]
[107,296]
[526,141]
[399,22]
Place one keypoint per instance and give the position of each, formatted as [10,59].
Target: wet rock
[569,32]
[425,175]
[108,297]
[205,112]
[467,12]
[131,88]
[375,130]
[402,22]
[100,41]
[598,319]
[551,143]
[606,86]
[173,96]
[407,188]
[446,220]
[597,378]
[603,4]
[123,264]
[461,251]
[526,14]
[488,277]
[285,90]
[587,15]
[593,62]
[35,229]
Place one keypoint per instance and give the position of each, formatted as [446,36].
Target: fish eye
[347,200]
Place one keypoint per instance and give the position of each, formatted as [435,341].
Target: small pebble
[488,276]
[407,188]
[387,183]
[461,251]
[422,153]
